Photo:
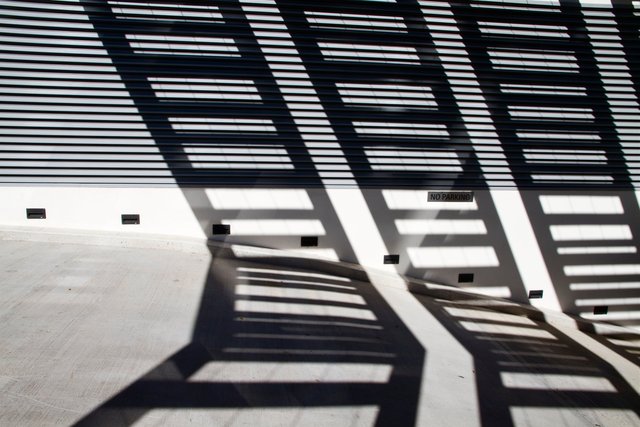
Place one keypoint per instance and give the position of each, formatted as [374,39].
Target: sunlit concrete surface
[100,330]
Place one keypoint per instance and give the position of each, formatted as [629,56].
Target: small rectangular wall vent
[465,278]
[221,229]
[600,309]
[309,241]
[129,219]
[535,294]
[392,259]
[36,213]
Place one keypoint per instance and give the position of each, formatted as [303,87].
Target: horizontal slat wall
[162,92]
[548,99]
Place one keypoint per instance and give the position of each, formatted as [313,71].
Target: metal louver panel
[378,94]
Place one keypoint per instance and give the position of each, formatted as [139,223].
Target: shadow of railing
[527,371]
[397,121]
[236,331]
[590,250]
[390,162]
[386,146]
[269,336]
[572,157]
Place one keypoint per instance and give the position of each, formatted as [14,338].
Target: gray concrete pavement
[113,334]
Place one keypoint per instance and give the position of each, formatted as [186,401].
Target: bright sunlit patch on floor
[285,282]
[352,415]
[488,315]
[270,372]
[242,251]
[491,328]
[326,310]
[293,273]
[566,417]
[556,382]
[297,323]
[293,293]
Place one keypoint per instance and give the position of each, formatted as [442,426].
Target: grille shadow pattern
[565,151]
[384,95]
[527,370]
[302,342]
[379,96]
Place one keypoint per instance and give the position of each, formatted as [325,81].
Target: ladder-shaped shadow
[590,240]
[528,371]
[284,338]
[264,337]
[558,112]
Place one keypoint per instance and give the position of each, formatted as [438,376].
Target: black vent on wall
[535,294]
[392,259]
[309,241]
[36,213]
[465,278]
[130,219]
[218,229]
[601,309]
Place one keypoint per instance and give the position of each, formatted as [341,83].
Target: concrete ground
[102,331]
